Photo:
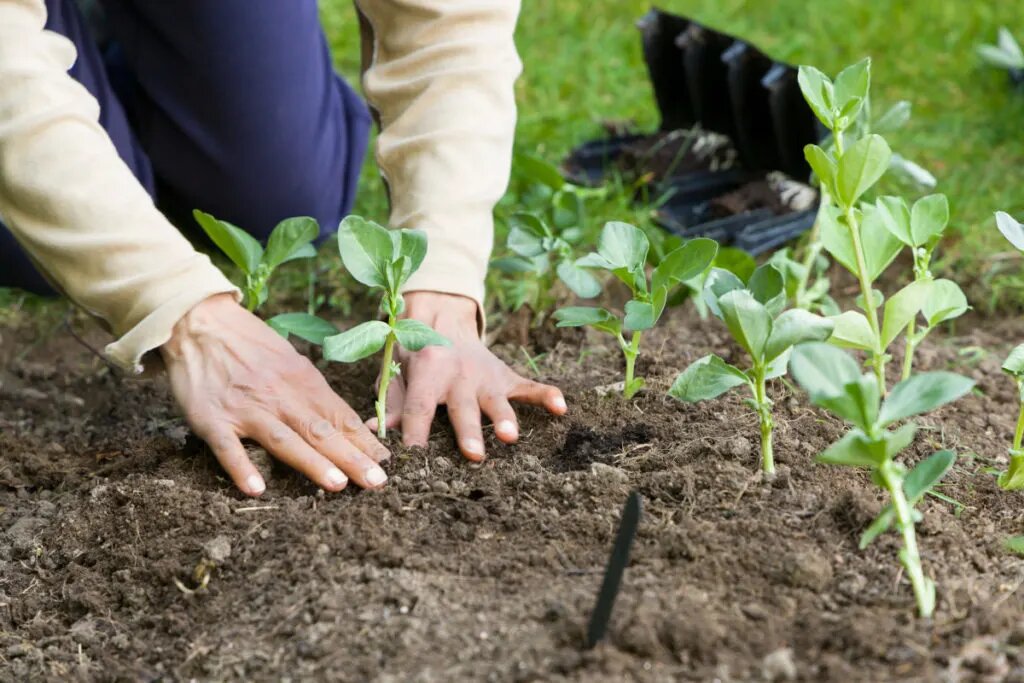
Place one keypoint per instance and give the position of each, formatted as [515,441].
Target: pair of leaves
[710,377]
[535,244]
[918,482]
[879,245]
[915,227]
[751,324]
[378,257]
[832,379]
[368,338]
[622,250]
[855,172]
[836,104]
[1006,53]
[291,239]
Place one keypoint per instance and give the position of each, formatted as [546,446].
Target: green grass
[583,64]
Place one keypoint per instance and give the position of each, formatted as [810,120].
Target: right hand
[236,378]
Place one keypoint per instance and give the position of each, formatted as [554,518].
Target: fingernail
[335,477]
[375,476]
[255,484]
[474,446]
[559,404]
[508,428]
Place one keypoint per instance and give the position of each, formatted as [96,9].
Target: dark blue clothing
[229,106]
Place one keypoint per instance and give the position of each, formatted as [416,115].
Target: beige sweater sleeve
[440,80]
[76,208]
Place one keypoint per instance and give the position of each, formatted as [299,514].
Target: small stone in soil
[218,549]
[808,570]
[607,473]
[779,665]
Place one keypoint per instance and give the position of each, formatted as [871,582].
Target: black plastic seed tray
[711,81]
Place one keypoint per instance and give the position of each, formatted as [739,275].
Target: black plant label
[613,573]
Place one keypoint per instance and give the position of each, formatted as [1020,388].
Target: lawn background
[583,63]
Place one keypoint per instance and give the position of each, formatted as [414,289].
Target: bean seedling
[622,251]
[1013,478]
[1005,54]
[291,240]
[833,381]
[383,260]
[754,314]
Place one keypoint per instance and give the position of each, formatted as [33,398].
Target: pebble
[439,486]
[218,549]
[808,570]
[779,665]
[23,533]
[608,473]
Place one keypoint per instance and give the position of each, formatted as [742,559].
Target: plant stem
[764,414]
[878,354]
[630,351]
[910,557]
[385,380]
[1018,434]
[911,348]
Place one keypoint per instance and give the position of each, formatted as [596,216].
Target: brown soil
[750,197]
[674,154]
[458,572]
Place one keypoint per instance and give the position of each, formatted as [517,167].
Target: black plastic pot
[658,31]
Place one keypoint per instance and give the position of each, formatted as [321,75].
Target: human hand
[466,377]
[235,378]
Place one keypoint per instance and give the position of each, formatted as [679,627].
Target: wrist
[197,323]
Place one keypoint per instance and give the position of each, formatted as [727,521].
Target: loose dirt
[460,572]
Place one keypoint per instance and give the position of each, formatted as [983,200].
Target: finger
[230,453]
[464,412]
[537,394]
[418,409]
[335,444]
[341,418]
[393,406]
[497,407]
[291,449]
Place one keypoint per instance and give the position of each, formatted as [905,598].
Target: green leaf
[639,315]
[539,170]
[860,167]
[288,238]
[357,343]
[851,330]
[1011,229]
[778,366]
[929,218]
[881,247]
[514,264]
[921,394]
[1015,544]
[684,263]
[1014,363]
[794,327]
[823,166]
[719,283]
[768,288]
[239,246]
[567,212]
[857,404]
[414,335]
[411,244]
[748,321]
[822,369]
[303,326]
[737,261]
[366,249]
[707,378]
[623,246]
[853,450]
[1013,478]
[852,86]
[895,216]
[582,283]
[927,474]
[819,93]
[881,524]
[894,118]
[902,308]
[944,301]
[303,252]
[580,316]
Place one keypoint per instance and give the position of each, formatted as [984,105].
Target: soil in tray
[674,154]
[488,572]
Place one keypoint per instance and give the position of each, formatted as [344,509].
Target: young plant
[753,312]
[291,239]
[833,381]
[939,301]
[544,254]
[865,238]
[1005,54]
[1013,478]
[622,251]
[382,260]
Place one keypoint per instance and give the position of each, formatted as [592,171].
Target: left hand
[466,377]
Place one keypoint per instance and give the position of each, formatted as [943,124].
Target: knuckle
[278,434]
[321,430]
[418,407]
[433,354]
[349,423]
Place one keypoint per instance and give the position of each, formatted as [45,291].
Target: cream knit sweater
[440,79]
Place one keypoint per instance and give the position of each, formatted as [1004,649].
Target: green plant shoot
[622,251]
[833,381]
[541,252]
[1005,54]
[382,260]
[291,240]
[753,312]
[1013,478]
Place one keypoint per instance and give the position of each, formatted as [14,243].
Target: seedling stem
[924,589]
[764,414]
[631,351]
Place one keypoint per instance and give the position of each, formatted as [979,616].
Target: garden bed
[462,572]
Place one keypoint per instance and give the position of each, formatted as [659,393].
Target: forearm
[441,82]
[76,207]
